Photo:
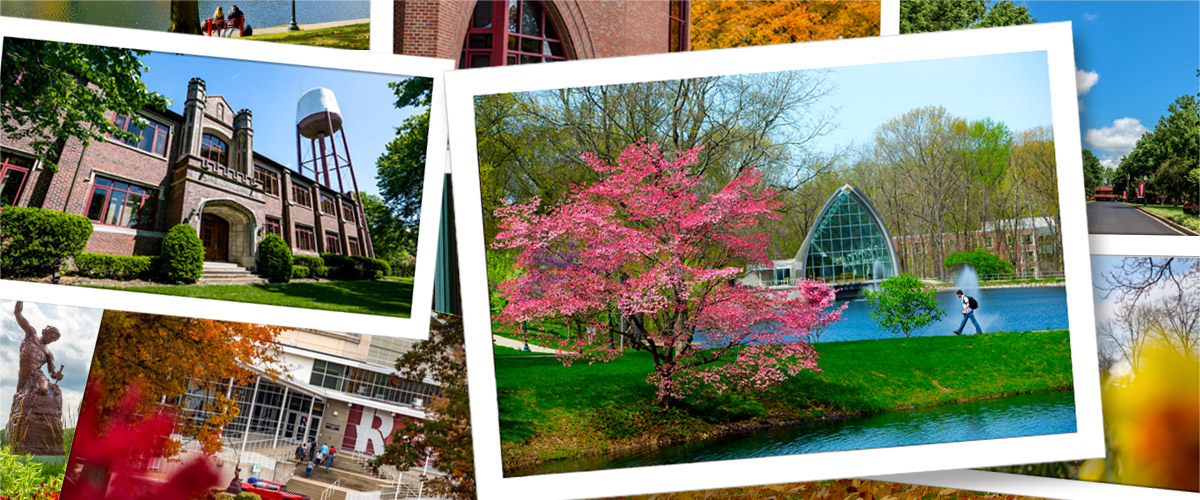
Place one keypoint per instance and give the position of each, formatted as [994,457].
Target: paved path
[518,345]
[306,27]
[1106,217]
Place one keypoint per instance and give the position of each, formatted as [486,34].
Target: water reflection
[155,14]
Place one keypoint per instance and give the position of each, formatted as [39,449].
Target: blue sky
[270,91]
[1010,88]
[1135,58]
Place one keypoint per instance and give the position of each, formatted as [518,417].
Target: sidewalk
[306,27]
[518,345]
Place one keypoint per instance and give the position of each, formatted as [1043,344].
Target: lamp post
[293,26]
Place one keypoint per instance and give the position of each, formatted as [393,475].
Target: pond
[155,14]
[1013,416]
[1020,309]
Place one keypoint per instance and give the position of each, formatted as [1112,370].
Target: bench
[221,25]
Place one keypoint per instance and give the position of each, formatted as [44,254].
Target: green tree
[401,167]
[1171,183]
[920,16]
[1177,134]
[444,437]
[1093,172]
[185,17]
[984,262]
[392,239]
[52,92]
[903,304]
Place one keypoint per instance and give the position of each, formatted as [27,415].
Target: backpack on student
[972,303]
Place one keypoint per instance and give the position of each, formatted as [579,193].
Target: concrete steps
[227,273]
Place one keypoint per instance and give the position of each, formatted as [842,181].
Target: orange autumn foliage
[718,24]
[166,356]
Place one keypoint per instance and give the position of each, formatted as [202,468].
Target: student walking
[308,468]
[969,306]
[299,453]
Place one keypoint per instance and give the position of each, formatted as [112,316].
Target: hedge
[316,266]
[274,259]
[346,267]
[117,267]
[984,262]
[182,258]
[299,272]
[37,242]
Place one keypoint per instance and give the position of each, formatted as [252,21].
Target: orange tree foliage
[848,489]
[164,355]
[445,436]
[719,24]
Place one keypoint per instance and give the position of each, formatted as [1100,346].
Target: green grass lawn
[548,411]
[1175,214]
[389,297]
[354,36]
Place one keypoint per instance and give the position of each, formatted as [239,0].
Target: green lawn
[354,36]
[389,297]
[548,411]
[1175,214]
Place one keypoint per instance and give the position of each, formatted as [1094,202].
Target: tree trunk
[185,17]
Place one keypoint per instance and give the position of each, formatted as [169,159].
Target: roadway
[1106,217]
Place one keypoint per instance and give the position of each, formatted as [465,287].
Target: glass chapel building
[848,244]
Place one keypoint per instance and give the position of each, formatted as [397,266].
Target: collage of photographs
[719,249]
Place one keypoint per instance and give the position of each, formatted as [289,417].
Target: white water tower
[319,123]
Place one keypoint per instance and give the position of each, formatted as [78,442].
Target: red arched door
[214,232]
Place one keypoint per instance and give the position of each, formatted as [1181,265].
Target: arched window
[215,149]
[511,32]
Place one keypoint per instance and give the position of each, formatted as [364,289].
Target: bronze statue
[35,424]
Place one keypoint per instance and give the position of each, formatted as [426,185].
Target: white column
[282,410]
[249,415]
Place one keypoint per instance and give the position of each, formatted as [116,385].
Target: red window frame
[348,212]
[6,166]
[353,244]
[679,20]
[327,206]
[105,189]
[505,33]
[333,243]
[274,225]
[268,179]
[306,239]
[214,148]
[301,195]
[159,134]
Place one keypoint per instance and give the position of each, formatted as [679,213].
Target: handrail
[329,491]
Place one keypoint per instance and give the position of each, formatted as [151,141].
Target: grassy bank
[550,412]
[1175,214]
[388,297]
[354,36]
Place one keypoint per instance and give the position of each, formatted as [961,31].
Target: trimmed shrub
[274,259]
[374,269]
[985,263]
[403,264]
[36,242]
[182,258]
[299,272]
[316,266]
[340,267]
[116,267]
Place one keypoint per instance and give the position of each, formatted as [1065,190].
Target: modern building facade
[506,32]
[848,243]
[199,168]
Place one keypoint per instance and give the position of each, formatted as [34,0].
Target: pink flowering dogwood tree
[641,254]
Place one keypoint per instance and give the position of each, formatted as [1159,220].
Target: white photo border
[1053,38]
[415,326]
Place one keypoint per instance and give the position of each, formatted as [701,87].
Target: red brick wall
[114,243]
[591,28]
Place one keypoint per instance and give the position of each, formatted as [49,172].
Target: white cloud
[1117,140]
[1085,80]
[1090,16]
[1110,162]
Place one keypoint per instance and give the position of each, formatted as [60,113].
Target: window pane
[147,142]
[531,45]
[115,201]
[512,42]
[512,16]
[479,41]
[160,143]
[482,17]
[526,59]
[10,186]
[531,22]
[96,207]
[133,207]
[512,60]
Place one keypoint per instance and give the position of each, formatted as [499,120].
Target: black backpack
[971,302]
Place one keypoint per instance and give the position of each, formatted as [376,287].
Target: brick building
[198,168]
[472,32]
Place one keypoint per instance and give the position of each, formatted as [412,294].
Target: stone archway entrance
[214,232]
[227,229]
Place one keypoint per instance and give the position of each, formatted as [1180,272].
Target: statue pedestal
[35,424]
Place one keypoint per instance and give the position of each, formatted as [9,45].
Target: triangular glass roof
[848,243]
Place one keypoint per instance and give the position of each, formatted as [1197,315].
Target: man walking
[969,306]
